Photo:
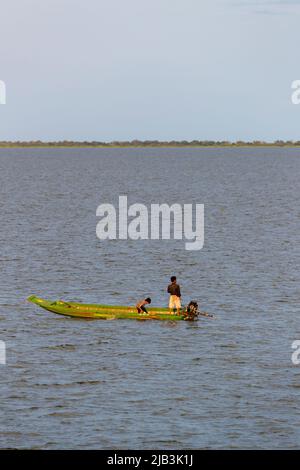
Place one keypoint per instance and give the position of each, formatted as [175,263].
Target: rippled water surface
[222,383]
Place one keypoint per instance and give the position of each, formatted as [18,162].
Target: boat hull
[102,312]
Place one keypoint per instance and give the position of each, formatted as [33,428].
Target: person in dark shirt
[175,295]
[140,306]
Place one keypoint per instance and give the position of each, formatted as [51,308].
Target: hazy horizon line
[145,143]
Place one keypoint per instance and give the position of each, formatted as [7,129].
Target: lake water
[226,382]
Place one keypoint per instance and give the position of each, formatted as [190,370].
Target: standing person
[140,306]
[175,294]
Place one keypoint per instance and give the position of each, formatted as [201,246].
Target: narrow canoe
[104,312]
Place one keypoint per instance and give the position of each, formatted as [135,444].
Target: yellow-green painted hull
[104,312]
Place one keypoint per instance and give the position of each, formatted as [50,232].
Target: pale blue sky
[149,69]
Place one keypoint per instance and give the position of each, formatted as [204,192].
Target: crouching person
[140,306]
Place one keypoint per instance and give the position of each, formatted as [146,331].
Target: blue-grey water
[226,382]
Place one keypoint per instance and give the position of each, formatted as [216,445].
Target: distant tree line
[150,143]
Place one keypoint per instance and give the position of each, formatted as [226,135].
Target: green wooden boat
[104,312]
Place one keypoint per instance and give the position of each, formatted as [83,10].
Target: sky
[110,70]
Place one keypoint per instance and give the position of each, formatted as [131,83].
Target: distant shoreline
[146,144]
